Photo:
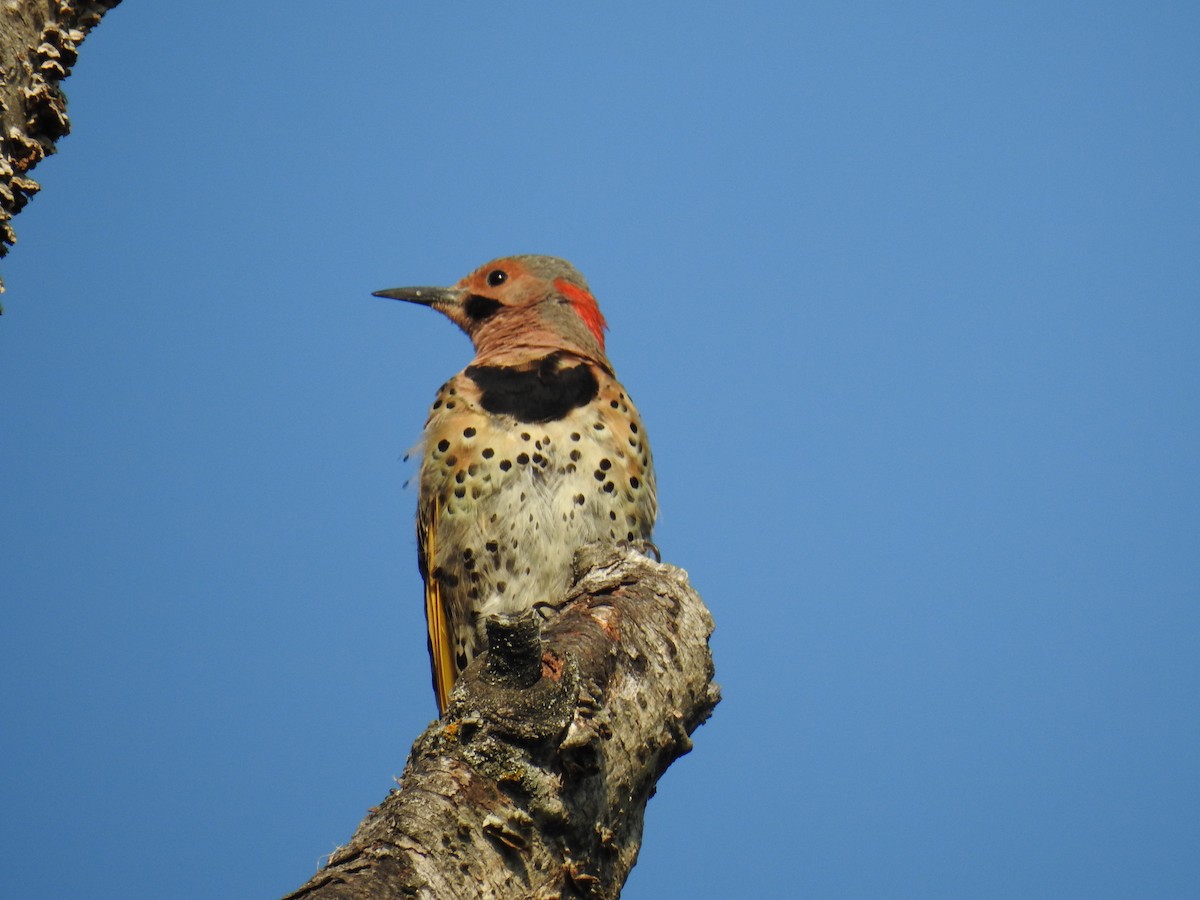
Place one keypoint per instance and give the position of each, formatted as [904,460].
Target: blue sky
[907,295]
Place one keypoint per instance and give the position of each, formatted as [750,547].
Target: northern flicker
[530,452]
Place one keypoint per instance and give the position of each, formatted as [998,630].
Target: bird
[529,453]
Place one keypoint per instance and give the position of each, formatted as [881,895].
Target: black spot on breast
[480,308]
[541,392]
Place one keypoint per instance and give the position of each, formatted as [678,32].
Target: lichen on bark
[39,43]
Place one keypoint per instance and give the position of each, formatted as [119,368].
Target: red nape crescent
[585,307]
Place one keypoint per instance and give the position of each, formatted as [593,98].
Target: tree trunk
[534,783]
[39,42]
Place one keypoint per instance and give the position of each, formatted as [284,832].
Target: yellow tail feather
[441,650]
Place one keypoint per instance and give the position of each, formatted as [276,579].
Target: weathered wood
[39,42]
[535,781]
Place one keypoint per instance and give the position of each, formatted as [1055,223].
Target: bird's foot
[645,547]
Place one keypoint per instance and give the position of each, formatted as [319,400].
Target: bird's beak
[426,296]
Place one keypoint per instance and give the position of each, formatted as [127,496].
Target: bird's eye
[497,277]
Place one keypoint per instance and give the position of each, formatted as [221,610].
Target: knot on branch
[522,693]
[514,655]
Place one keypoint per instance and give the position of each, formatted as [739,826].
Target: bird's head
[518,307]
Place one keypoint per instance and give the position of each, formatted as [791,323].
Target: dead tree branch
[535,782]
[39,42]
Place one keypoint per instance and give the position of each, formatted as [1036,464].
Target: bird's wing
[441,653]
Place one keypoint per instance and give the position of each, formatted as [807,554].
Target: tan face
[493,289]
[522,305]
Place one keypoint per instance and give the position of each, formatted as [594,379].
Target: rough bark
[534,783]
[39,42]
